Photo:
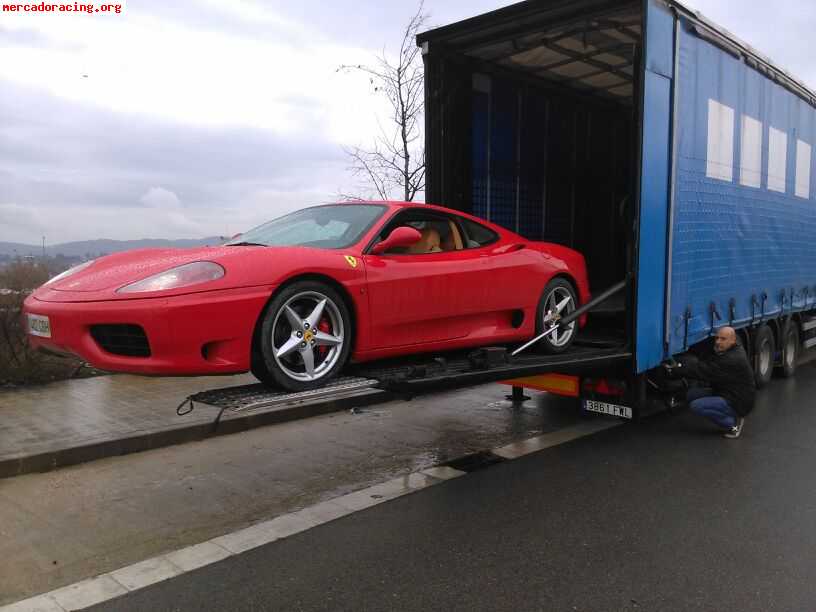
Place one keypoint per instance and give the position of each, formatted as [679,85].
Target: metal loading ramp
[250,397]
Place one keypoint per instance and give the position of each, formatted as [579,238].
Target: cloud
[206,76]
[159,197]
[208,117]
[19,219]
[135,177]
[26,37]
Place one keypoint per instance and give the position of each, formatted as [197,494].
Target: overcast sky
[206,117]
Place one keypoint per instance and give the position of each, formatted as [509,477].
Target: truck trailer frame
[667,150]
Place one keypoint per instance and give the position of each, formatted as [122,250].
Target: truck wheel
[764,350]
[790,349]
[557,301]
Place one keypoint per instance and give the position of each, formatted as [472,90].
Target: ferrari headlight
[175,278]
[69,272]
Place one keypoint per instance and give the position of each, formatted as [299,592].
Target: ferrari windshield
[336,226]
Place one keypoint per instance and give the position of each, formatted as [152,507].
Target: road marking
[41,603]
[264,533]
[323,512]
[145,573]
[533,445]
[139,575]
[443,472]
[88,592]
[199,555]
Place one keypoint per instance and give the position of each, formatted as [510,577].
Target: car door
[514,277]
[421,296]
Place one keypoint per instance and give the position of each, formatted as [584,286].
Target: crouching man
[727,394]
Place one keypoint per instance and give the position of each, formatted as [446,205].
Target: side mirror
[400,237]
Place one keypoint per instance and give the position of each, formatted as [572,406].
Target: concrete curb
[142,441]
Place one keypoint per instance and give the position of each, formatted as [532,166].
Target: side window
[477,235]
[438,233]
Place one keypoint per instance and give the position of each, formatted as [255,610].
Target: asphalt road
[662,515]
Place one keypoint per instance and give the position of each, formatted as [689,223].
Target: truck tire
[789,349]
[764,351]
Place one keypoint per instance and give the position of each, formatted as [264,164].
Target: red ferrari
[295,299]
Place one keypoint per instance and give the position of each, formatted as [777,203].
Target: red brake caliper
[325,327]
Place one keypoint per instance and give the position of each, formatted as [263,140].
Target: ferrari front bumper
[193,334]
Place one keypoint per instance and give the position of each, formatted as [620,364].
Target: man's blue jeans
[712,407]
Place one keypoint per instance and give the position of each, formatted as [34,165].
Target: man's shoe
[736,430]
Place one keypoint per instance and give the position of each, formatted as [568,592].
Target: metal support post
[517,396]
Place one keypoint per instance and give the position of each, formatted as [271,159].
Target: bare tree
[396,159]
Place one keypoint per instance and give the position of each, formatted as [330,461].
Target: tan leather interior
[428,243]
[453,241]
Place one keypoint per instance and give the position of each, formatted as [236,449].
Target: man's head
[724,339]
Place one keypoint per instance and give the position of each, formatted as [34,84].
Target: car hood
[119,269]
[245,266]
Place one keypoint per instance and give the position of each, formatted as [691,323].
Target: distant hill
[98,247]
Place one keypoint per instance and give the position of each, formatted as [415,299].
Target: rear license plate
[39,325]
[605,408]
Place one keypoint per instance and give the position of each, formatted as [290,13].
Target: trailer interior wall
[553,167]
[744,219]
[532,122]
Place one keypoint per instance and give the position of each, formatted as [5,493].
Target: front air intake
[122,339]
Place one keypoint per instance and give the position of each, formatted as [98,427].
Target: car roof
[397,204]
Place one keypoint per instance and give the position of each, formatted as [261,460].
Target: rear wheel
[305,336]
[790,349]
[557,301]
[764,349]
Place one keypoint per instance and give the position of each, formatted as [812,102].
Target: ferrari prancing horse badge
[351,261]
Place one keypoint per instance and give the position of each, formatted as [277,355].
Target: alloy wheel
[307,336]
[558,304]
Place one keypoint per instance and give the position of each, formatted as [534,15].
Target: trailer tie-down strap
[715,315]
[181,411]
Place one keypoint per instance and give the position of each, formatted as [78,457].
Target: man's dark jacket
[728,374]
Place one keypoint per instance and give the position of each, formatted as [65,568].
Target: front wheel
[305,336]
[557,301]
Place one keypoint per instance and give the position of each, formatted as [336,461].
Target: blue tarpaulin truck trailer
[658,144]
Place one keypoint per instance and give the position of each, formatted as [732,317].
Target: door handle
[510,248]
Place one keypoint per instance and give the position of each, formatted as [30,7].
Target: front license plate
[605,408]
[39,325]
